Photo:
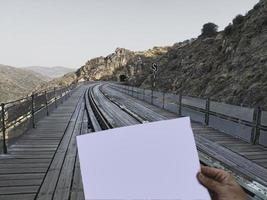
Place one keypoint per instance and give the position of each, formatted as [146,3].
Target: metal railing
[248,124]
[18,116]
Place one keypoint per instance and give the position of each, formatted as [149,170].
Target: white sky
[70,32]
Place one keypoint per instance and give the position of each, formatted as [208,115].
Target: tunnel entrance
[122,78]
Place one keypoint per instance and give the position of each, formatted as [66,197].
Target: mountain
[51,72]
[65,80]
[16,82]
[228,66]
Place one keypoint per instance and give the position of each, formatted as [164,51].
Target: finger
[207,182]
[213,172]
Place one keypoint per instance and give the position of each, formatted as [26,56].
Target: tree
[209,29]
[238,19]
[228,29]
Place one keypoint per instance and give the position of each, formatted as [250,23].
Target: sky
[70,32]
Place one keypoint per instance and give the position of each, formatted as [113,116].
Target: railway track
[254,188]
[103,122]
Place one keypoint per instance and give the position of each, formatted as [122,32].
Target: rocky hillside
[229,66]
[50,72]
[63,81]
[121,62]
[16,83]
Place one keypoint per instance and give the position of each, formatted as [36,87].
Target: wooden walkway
[43,163]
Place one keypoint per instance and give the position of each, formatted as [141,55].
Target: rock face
[122,62]
[229,66]
[104,67]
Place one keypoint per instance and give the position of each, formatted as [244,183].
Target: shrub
[264,23]
[228,29]
[209,29]
[238,19]
[257,6]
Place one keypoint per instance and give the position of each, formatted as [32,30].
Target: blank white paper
[156,160]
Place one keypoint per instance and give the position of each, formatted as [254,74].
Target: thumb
[207,182]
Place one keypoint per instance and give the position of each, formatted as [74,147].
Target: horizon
[68,34]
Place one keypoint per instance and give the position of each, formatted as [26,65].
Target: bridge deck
[242,157]
[43,162]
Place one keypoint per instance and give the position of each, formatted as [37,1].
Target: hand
[221,184]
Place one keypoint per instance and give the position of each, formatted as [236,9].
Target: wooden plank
[23,165]
[49,185]
[22,170]
[24,161]
[33,146]
[23,149]
[62,190]
[240,150]
[18,197]
[77,192]
[77,186]
[18,190]
[248,153]
[255,157]
[23,182]
[24,176]
[33,153]
[29,156]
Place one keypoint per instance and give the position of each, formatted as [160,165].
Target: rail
[99,116]
[18,116]
[103,122]
[248,124]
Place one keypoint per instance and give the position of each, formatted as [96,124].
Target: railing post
[32,107]
[257,122]
[152,95]
[46,104]
[132,91]
[143,93]
[180,104]
[55,95]
[4,128]
[163,100]
[207,114]
[61,95]
[69,91]
[64,94]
